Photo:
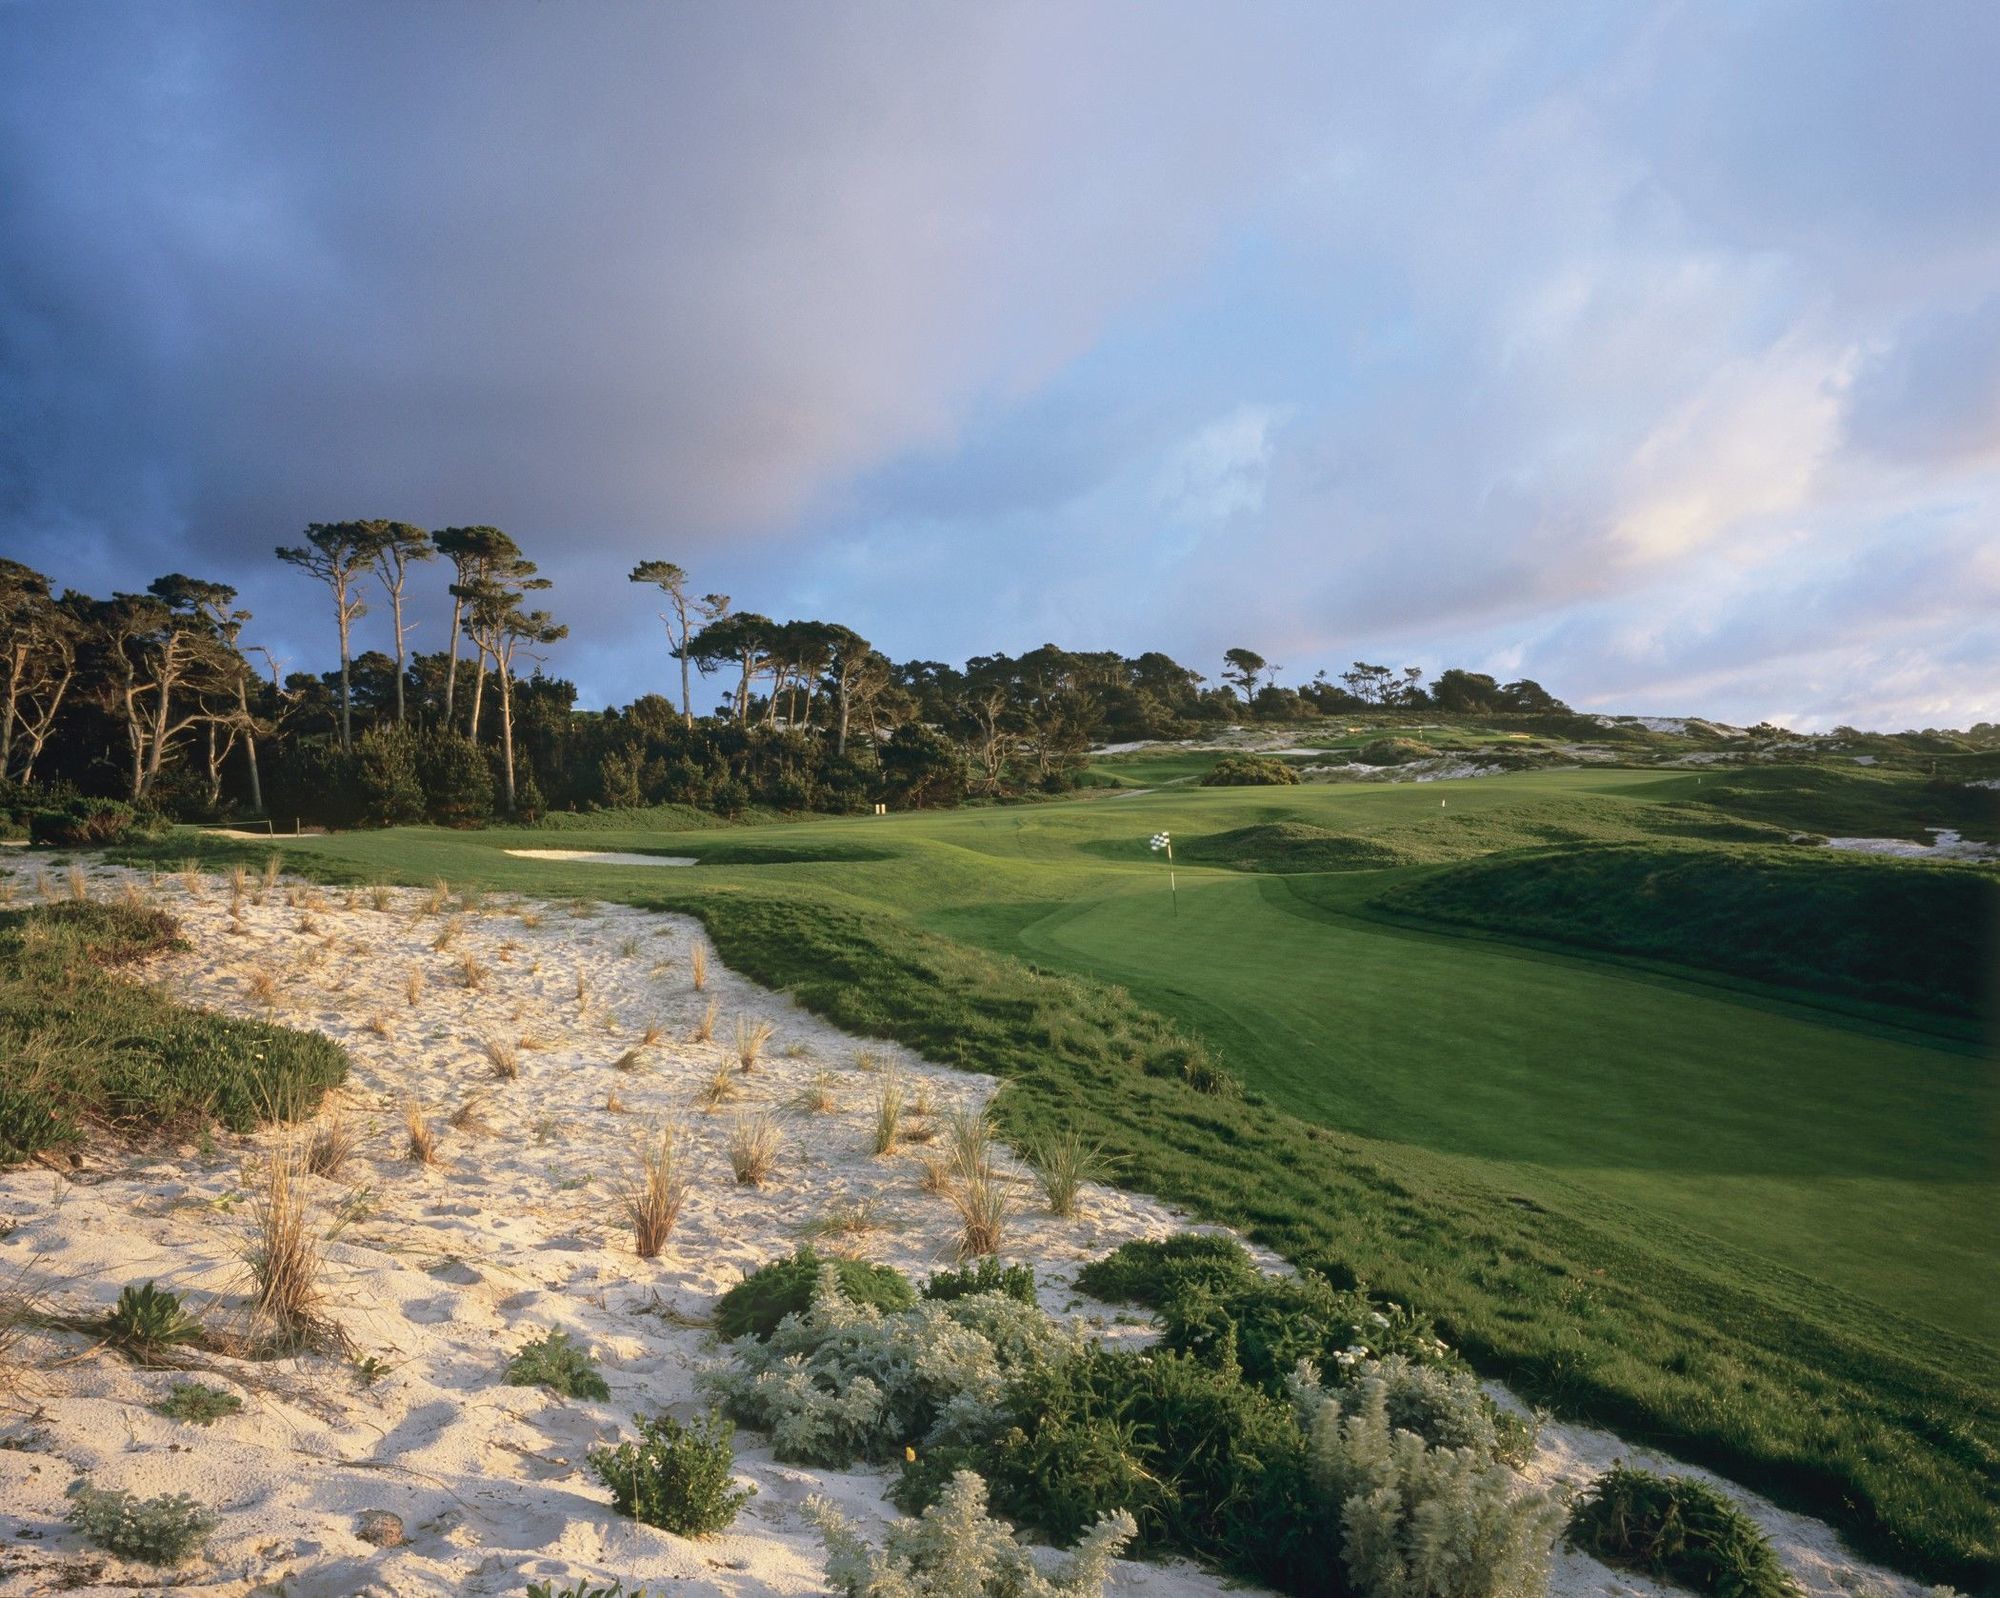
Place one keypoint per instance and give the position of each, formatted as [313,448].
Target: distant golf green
[1796,1182]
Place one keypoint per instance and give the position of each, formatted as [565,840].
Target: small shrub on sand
[888,1114]
[956,1550]
[196,1404]
[753,1148]
[755,1305]
[613,1104]
[704,1029]
[153,1531]
[652,1200]
[679,1478]
[420,1147]
[1677,1530]
[503,1055]
[1152,1271]
[934,1175]
[988,1276]
[846,1218]
[529,919]
[1063,1163]
[628,949]
[147,1321]
[331,1145]
[554,1362]
[751,1036]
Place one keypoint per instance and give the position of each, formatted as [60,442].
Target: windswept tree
[682,611]
[502,630]
[399,546]
[475,553]
[39,635]
[1241,669]
[513,574]
[159,668]
[744,641]
[225,680]
[339,555]
[849,658]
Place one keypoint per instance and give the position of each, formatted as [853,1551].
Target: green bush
[387,789]
[197,1404]
[154,1531]
[1417,1521]
[554,1362]
[1249,771]
[1676,1529]
[82,824]
[314,782]
[956,1550]
[1150,1271]
[988,1276]
[755,1305]
[1393,752]
[147,1320]
[1270,1323]
[676,1477]
[456,779]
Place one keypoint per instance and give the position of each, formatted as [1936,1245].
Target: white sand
[441,1273]
[604,857]
[1945,845]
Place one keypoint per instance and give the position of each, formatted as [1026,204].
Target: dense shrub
[1416,1521]
[679,1478]
[82,824]
[755,1305]
[455,777]
[1249,771]
[844,1381]
[313,782]
[154,1531]
[387,790]
[956,1550]
[554,1362]
[1270,1323]
[1393,752]
[1149,1271]
[988,1276]
[1676,1529]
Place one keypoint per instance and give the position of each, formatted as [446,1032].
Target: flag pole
[1173,887]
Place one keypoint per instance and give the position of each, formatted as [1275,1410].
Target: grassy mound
[1890,931]
[1250,771]
[1393,752]
[1292,846]
[1856,803]
[82,1045]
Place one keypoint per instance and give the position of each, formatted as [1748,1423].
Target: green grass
[82,1046]
[1752,1228]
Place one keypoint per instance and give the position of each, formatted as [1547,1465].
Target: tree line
[163,700]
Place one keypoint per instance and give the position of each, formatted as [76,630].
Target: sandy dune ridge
[439,1273]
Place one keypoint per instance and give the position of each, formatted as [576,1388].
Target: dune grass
[1748,1227]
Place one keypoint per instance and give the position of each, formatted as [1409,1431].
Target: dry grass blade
[654,1198]
[45,888]
[447,935]
[274,867]
[698,965]
[422,1147]
[846,1218]
[934,1175]
[331,1145]
[582,987]
[239,883]
[8,888]
[630,1060]
[129,893]
[380,898]
[504,1056]
[655,1031]
[751,1036]
[438,898]
[754,1142]
[888,1114]
[981,1202]
[720,1087]
[378,1023]
[704,1029]
[472,971]
[530,919]
[261,986]
[193,881]
[413,985]
[628,949]
[613,1104]
[1063,1162]
[470,1117]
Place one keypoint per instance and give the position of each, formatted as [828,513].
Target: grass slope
[1883,930]
[1748,1229]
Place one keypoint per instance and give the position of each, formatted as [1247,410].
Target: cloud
[1515,332]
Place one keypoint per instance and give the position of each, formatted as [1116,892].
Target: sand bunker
[604,857]
[1948,846]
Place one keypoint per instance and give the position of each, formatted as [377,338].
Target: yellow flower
[910,1454]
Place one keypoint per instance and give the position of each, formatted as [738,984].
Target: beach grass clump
[698,965]
[755,1305]
[161,1531]
[751,1036]
[820,1094]
[562,1366]
[420,1145]
[888,1114]
[981,1201]
[1677,1530]
[1064,1163]
[754,1142]
[284,1260]
[652,1200]
[503,1057]
[331,1144]
[719,1088]
[197,1404]
[704,1028]
[470,1116]
[679,1478]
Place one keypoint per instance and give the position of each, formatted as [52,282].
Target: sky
[1651,351]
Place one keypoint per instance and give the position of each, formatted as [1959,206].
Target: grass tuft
[751,1036]
[753,1148]
[653,1198]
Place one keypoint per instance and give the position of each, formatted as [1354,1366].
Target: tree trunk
[478,692]
[346,687]
[250,747]
[451,670]
[846,706]
[506,729]
[687,699]
[14,670]
[396,613]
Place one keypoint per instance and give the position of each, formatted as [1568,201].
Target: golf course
[1676,1173]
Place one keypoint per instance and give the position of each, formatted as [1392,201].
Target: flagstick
[1173,887]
